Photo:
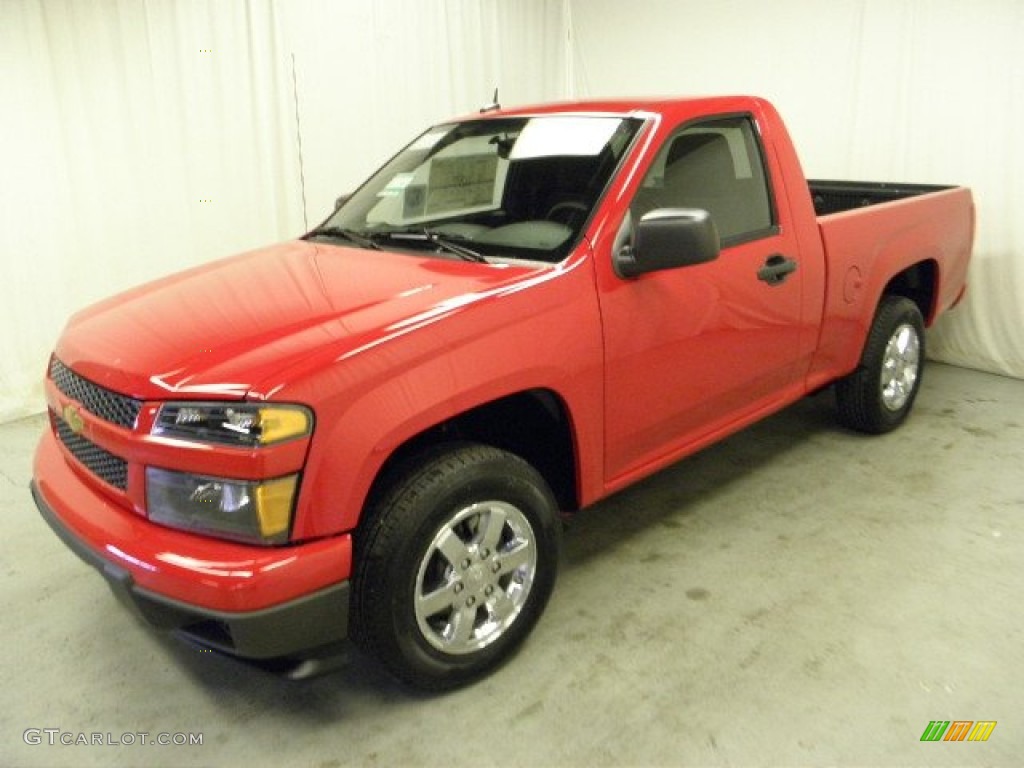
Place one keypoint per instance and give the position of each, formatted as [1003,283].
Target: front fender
[544,336]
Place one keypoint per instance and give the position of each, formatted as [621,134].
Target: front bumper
[254,602]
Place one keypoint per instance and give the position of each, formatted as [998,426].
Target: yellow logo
[73,418]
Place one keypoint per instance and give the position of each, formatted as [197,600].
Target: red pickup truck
[374,431]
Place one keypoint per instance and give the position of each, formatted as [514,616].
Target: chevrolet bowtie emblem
[73,418]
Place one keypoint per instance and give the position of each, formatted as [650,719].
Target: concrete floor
[796,595]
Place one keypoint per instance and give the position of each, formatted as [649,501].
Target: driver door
[691,351]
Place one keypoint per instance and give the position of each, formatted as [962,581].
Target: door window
[716,166]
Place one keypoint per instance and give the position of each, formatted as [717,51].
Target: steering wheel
[567,212]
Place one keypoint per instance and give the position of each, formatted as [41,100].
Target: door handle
[776,269]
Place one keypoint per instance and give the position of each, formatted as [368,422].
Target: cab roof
[636,106]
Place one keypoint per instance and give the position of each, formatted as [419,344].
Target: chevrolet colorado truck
[375,431]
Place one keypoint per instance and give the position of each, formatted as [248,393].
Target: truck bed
[837,196]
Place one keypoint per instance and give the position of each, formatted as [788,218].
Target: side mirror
[340,201]
[668,238]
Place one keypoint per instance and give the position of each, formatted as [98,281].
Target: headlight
[256,512]
[244,424]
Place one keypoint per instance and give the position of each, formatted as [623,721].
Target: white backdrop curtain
[373,73]
[140,137]
[925,91]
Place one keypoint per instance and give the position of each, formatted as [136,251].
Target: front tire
[878,396]
[455,564]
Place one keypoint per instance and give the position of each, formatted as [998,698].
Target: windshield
[512,187]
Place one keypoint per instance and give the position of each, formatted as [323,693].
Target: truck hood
[230,328]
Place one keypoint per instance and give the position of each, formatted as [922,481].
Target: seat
[700,162]
[699,173]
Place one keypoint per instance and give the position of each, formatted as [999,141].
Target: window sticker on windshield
[461,183]
[394,187]
[548,136]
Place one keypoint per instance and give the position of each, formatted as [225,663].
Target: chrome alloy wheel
[900,366]
[475,577]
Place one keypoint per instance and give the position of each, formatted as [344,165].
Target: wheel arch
[533,424]
[919,283]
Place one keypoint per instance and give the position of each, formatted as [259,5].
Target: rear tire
[455,564]
[878,396]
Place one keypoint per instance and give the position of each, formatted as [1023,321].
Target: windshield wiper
[343,233]
[443,242]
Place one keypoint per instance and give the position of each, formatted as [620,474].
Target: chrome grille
[109,406]
[106,466]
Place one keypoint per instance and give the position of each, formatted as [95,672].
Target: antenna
[494,105]
[298,138]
